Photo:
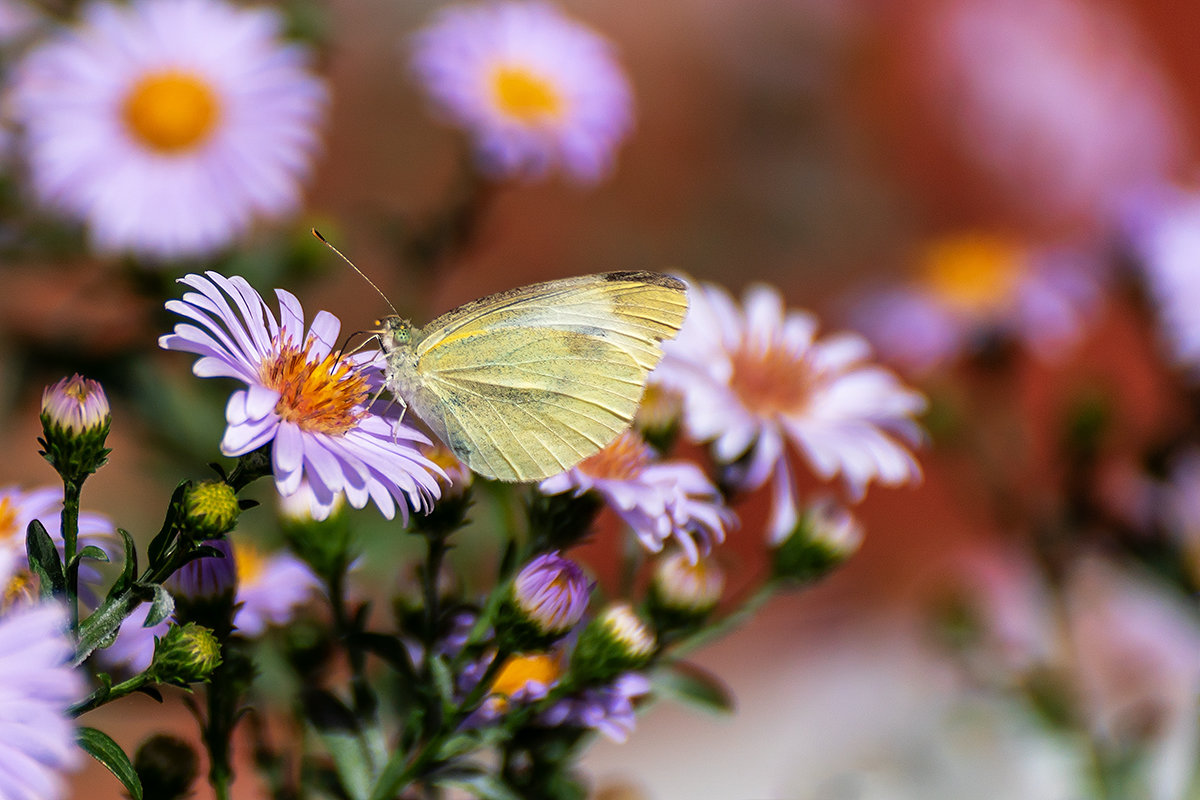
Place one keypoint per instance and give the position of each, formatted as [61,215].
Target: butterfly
[526,383]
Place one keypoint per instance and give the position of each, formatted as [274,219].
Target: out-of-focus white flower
[754,381]
[972,286]
[168,126]
[1056,100]
[535,89]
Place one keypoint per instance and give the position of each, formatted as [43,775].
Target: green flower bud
[825,537]
[210,509]
[188,653]
[326,545]
[75,422]
[683,593]
[614,642]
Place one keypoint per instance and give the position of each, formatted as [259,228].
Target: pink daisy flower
[534,88]
[303,398]
[168,126]
[754,381]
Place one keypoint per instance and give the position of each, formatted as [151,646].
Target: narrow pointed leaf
[102,748]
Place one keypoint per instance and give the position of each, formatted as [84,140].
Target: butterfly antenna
[370,282]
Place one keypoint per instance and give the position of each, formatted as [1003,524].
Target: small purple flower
[972,285]
[37,686]
[607,709]
[536,89]
[270,588]
[551,592]
[75,404]
[658,500]
[756,379]
[308,401]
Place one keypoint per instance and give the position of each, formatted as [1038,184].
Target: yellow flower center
[171,111]
[248,564]
[520,671]
[8,519]
[320,397]
[623,459]
[770,380]
[973,272]
[525,95]
[19,590]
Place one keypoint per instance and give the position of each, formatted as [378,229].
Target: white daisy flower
[535,89]
[754,381]
[168,126]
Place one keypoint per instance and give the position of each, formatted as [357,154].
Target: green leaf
[161,544]
[128,568]
[443,681]
[92,552]
[102,748]
[389,648]
[694,686]
[456,745]
[44,560]
[161,608]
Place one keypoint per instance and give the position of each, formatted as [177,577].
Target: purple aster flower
[304,398]
[37,686]
[18,508]
[658,500]
[551,592]
[607,709]
[972,285]
[168,126]
[523,679]
[757,380]
[535,89]
[269,588]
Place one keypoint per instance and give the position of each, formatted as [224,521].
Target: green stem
[401,772]
[102,696]
[70,534]
[728,623]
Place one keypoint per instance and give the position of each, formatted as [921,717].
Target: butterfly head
[394,332]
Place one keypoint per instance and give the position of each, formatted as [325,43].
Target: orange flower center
[520,671]
[769,380]
[973,272]
[524,95]
[248,564]
[171,111]
[8,519]
[623,459]
[322,397]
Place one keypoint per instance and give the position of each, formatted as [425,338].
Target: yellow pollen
[623,459]
[248,563]
[19,590]
[8,519]
[171,111]
[973,272]
[524,95]
[320,397]
[520,671]
[771,380]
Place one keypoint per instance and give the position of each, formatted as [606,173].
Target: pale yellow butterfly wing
[527,383]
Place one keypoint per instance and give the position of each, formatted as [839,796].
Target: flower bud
[683,593]
[548,597]
[205,588]
[615,641]
[188,653]
[320,536]
[210,509]
[75,422]
[167,767]
[826,536]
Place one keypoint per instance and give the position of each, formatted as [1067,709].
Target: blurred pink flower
[756,379]
[534,88]
[1057,100]
[972,286]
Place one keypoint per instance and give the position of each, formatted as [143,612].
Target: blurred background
[996,192]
